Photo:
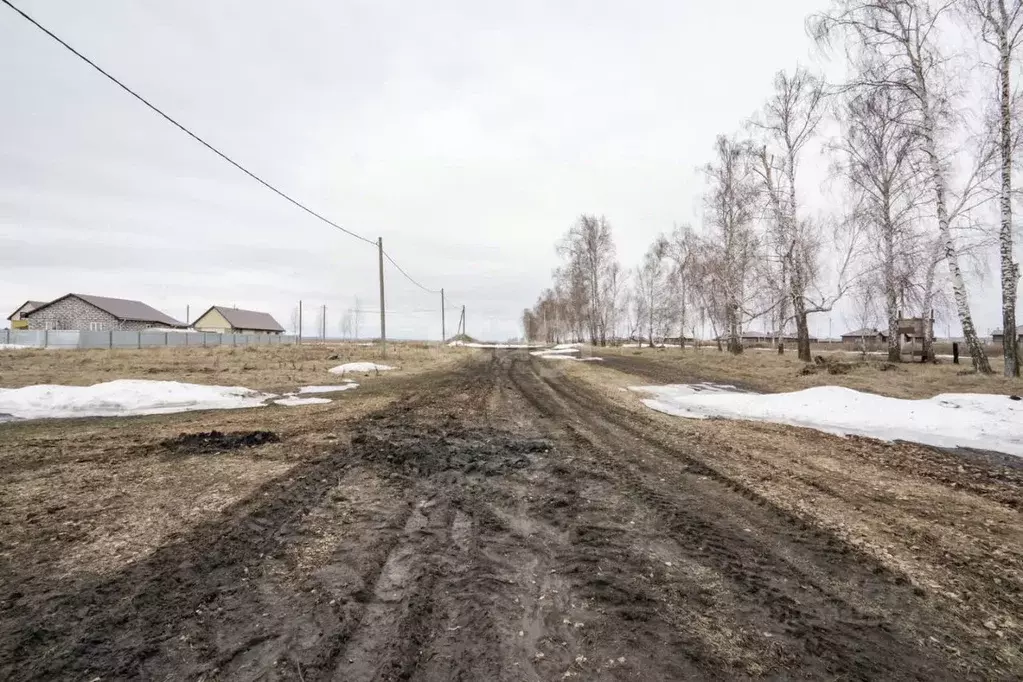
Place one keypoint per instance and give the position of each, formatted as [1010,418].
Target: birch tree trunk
[1010,272]
[959,291]
[928,304]
[891,299]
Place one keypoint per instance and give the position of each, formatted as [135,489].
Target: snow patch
[328,389]
[359,367]
[554,351]
[473,344]
[295,401]
[970,420]
[14,346]
[125,397]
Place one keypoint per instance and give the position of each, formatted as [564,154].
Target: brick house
[98,313]
[224,320]
[19,318]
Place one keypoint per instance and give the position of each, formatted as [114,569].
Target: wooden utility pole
[443,329]
[383,316]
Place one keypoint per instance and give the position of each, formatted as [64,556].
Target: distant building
[868,334]
[224,320]
[750,338]
[98,313]
[19,318]
[996,335]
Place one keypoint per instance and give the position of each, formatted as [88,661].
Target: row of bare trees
[916,175]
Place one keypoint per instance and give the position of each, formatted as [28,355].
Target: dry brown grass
[768,371]
[268,368]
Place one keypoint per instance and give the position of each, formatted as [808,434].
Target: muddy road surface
[504,522]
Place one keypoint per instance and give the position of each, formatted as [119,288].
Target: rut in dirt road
[502,522]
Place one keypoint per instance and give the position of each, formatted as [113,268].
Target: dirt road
[502,522]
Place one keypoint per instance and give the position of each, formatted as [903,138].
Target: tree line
[921,170]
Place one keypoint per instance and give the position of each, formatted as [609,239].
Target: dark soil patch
[217,441]
[666,371]
[426,449]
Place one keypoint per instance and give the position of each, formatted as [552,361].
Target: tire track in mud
[833,610]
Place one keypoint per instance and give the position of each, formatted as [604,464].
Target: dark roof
[34,304]
[123,309]
[998,332]
[766,336]
[866,331]
[247,319]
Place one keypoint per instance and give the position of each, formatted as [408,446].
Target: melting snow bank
[123,398]
[554,351]
[473,344]
[969,420]
[359,367]
[329,389]
[564,351]
[15,346]
[295,401]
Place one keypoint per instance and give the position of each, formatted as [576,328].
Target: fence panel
[25,337]
[152,339]
[128,339]
[123,339]
[61,339]
[177,340]
[94,339]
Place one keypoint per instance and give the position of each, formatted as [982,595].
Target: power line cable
[407,276]
[198,139]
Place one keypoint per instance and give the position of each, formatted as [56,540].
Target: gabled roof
[121,308]
[246,319]
[998,332]
[866,331]
[33,304]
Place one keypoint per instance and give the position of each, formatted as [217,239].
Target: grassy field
[767,371]
[267,368]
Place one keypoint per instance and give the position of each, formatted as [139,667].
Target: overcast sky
[467,134]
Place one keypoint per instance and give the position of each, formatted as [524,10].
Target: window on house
[97,326]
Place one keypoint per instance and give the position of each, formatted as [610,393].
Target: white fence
[143,339]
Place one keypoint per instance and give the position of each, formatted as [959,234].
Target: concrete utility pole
[188,314]
[443,328]
[300,321]
[383,316]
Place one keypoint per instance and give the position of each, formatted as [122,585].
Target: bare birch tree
[681,251]
[732,245]
[652,285]
[899,39]
[592,265]
[356,317]
[789,120]
[1000,24]
[876,160]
